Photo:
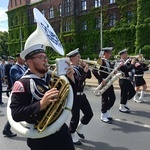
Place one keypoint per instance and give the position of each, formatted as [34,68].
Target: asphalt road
[128,131]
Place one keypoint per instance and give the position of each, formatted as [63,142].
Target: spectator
[7,74]
[2,68]
[16,72]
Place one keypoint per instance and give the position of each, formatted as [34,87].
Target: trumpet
[95,64]
[92,62]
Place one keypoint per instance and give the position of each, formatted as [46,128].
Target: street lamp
[101,31]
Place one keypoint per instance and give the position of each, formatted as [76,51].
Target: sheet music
[62,65]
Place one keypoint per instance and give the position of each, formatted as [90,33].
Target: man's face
[108,54]
[124,55]
[39,63]
[20,60]
[76,59]
[11,60]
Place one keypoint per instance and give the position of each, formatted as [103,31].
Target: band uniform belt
[125,78]
[79,93]
[138,75]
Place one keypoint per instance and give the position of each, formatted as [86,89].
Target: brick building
[76,22]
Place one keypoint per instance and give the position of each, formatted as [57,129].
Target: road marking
[134,123]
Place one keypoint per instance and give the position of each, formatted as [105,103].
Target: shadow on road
[129,127]
[90,145]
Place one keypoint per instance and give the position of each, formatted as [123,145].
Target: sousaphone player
[108,97]
[33,93]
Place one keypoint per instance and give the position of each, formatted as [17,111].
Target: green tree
[4,43]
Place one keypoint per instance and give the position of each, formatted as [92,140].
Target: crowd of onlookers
[5,66]
[10,71]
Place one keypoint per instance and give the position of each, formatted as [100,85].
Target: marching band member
[81,72]
[108,97]
[140,68]
[127,88]
[32,94]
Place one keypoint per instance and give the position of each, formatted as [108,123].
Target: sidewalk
[94,83]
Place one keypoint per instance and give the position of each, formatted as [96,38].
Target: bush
[146,51]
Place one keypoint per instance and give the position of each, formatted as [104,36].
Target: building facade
[87,24]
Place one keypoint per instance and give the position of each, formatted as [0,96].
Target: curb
[94,83]
[115,87]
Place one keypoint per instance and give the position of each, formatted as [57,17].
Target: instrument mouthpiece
[47,65]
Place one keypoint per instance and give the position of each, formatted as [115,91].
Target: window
[11,3]
[67,6]
[98,23]
[97,3]
[84,47]
[84,25]
[60,10]
[96,48]
[112,20]
[112,1]
[16,20]
[51,13]
[22,19]
[15,2]
[129,16]
[67,26]
[83,5]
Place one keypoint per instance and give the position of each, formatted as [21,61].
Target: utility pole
[101,28]
[101,31]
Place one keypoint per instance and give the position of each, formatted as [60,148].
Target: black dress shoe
[77,143]
[81,135]
[110,118]
[7,94]
[9,133]
[1,103]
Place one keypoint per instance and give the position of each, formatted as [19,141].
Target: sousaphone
[44,34]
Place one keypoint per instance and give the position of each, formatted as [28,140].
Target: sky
[3,15]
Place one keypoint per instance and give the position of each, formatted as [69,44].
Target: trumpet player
[127,88]
[108,97]
[81,72]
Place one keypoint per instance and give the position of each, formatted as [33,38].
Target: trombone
[96,64]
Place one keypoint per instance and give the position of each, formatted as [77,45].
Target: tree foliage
[3,44]
[143,26]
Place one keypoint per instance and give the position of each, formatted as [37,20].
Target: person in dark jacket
[127,88]
[81,73]
[7,74]
[140,68]
[16,72]
[32,94]
[1,102]
[108,97]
